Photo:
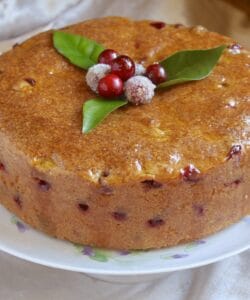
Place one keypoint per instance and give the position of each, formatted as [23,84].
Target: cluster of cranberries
[115,75]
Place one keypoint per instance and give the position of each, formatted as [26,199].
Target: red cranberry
[15,45]
[190,173]
[83,206]
[158,25]
[199,209]
[152,184]
[30,81]
[18,201]
[123,66]
[110,85]
[178,25]
[156,222]
[119,216]
[43,185]
[2,167]
[105,173]
[237,181]
[156,73]
[235,150]
[107,56]
[106,190]
[234,183]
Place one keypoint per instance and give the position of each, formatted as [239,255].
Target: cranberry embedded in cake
[152,184]
[43,185]
[2,167]
[83,206]
[156,222]
[119,215]
[31,81]
[158,25]
[199,209]
[18,201]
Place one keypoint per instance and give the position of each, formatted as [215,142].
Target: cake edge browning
[135,215]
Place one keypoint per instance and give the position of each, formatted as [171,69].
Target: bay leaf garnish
[78,49]
[96,110]
[190,65]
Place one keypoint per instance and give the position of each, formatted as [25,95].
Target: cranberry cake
[148,176]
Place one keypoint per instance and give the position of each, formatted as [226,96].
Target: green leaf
[80,50]
[189,65]
[97,109]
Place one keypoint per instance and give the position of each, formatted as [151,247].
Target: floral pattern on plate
[19,224]
[38,247]
[103,255]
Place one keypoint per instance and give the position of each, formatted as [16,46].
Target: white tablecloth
[228,279]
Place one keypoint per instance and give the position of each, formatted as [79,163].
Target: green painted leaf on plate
[190,65]
[80,50]
[100,256]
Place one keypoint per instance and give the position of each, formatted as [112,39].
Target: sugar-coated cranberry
[139,69]
[139,90]
[156,73]
[235,150]
[95,74]
[190,173]
[107,56]
[235,48]
[158,25]
[123,66]
[110,86]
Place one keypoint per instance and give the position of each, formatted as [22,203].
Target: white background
[226,280]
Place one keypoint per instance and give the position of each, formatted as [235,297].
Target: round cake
[148,176]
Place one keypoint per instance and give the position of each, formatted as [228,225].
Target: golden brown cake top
[41,98]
